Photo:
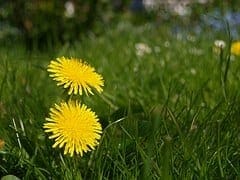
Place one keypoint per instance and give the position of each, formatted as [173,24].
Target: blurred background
[44,24]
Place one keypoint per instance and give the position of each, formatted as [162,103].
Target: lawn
[169,109]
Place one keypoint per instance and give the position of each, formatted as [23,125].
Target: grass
[165,115]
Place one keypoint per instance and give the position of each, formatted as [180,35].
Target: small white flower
[218,47]
[142,48]
[193,71]
[166,43]
[182,10]
[69,9]
[219,44]
[150,4]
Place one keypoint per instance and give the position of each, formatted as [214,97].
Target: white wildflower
[142,48]
[69,9]
[219,44]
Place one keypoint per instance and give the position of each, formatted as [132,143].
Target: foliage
[169,113]
[44,23]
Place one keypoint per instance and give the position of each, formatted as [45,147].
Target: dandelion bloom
[74,126]
[76,75]
[235,48]
[220,44]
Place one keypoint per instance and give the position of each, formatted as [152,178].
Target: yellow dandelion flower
[235,48]
[74,126]
[76,75]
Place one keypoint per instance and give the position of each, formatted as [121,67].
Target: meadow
[169,109]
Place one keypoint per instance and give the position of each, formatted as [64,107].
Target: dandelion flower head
[218,47]
[219,44]
[235,48]
[76,75]
[74,127]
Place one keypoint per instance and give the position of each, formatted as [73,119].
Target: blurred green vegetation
[165,113]
[44,24]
